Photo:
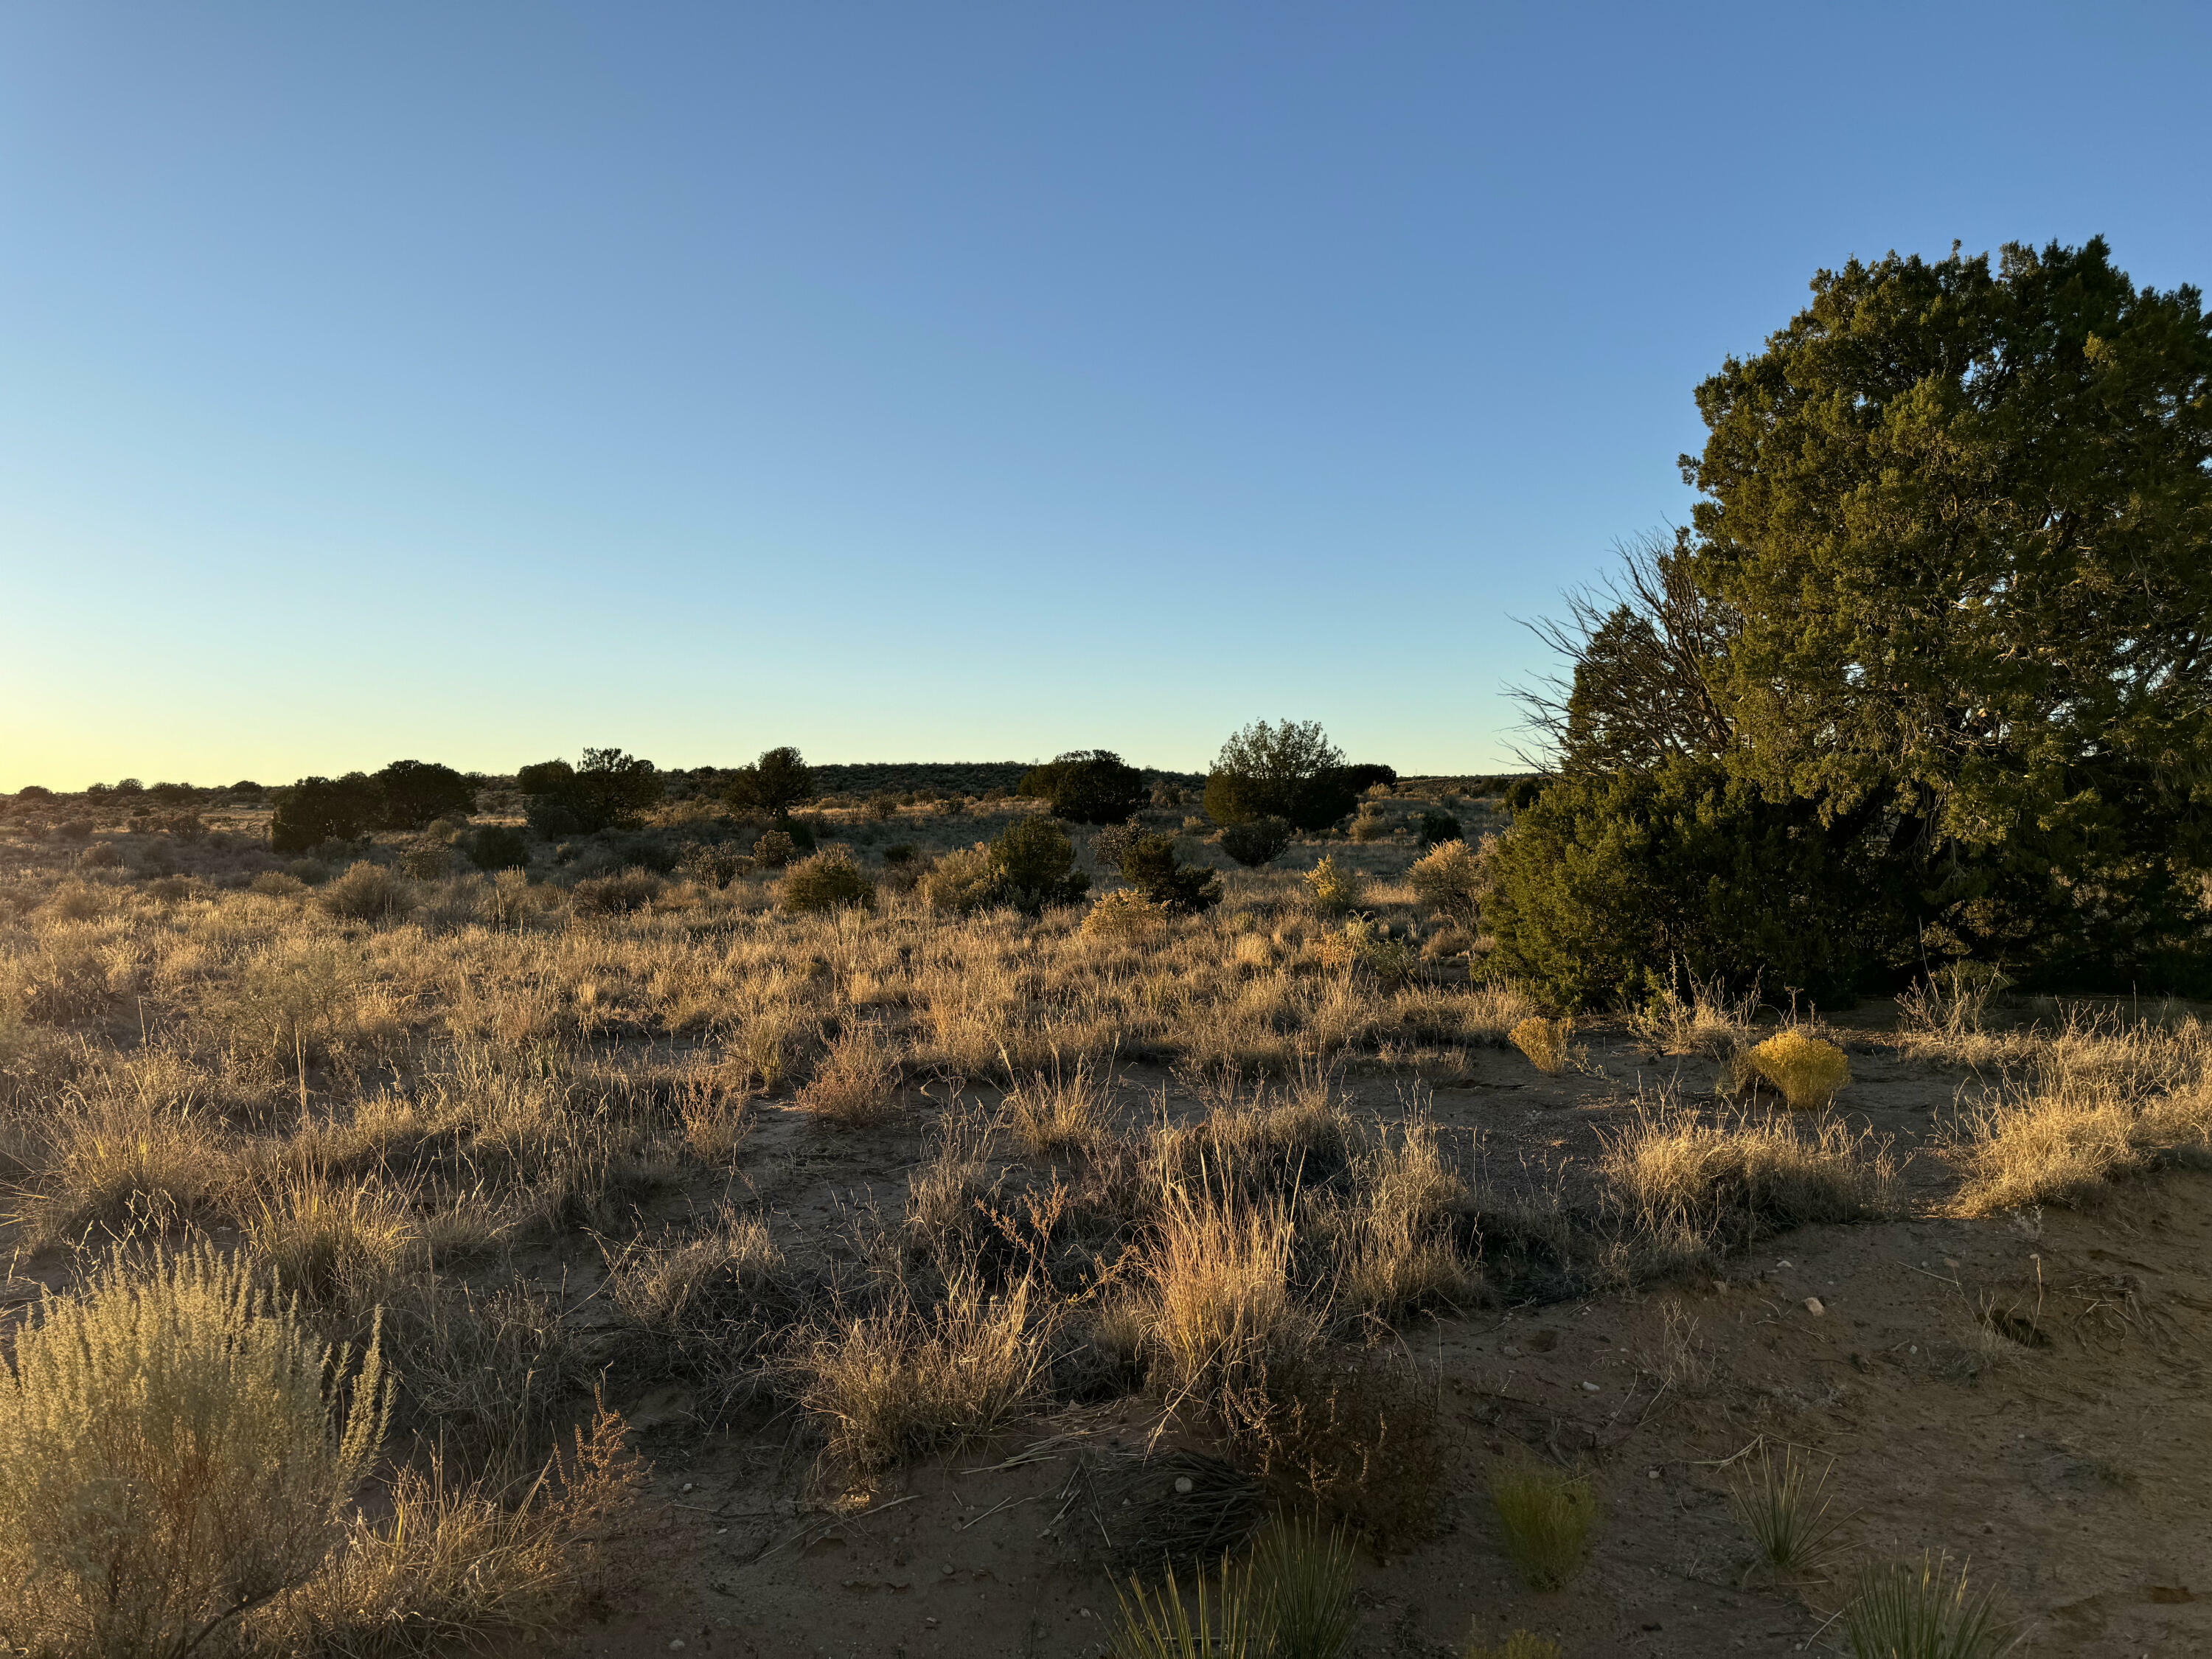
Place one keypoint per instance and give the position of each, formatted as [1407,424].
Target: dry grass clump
[961,883]
[616,894]
[330,1242]
[1806,1072]
[116,1159]
[1125,914]
[2106,1103]
[1709,1021]
[913,1380]
[855,1087]
[1548,1043]
[1059,1113]
[179,1450]
[1545,1517]
[457,1564]
[708,1311]
[1394,1244]
[1690,1185]
[365,892]
[1225,1328]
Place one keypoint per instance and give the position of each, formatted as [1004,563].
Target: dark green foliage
[1288,770]
[1035,862]
[774,784]
[1363,777]
[1436,828]
[1608,889]
[498,847]
[607,791]
[898,852]
[1523,792]
[1089,785]
[1961,517]
[417,791]
[317,810]
[1151,866]
[35,792]
[1256,841]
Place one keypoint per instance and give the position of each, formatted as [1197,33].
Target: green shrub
[317,810]
[1923,1611]
[616,895]
[179,1450]
[606,790]
[712,864]
[410,793]
[774,784]
[1088,785]
[1288,770]
[1438,828]
[1606,889]
[775,850]
[827,881]
[499,847]
[1151,866]
[1036,863]
[1256,840]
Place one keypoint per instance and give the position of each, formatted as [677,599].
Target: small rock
[1781,1264]
[1182,1485]
[1813,1306]
[675,1646]
[1589,1388]
[1651,1475]
[687,1486]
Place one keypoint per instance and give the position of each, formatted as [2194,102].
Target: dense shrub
[1371,825]
[1151,866]
[365,892]
[1112,843]
[1450,880]
[317,810]
[179,1450]
[607,790]
[1608,890]
[414,792]
[1089,785]
[775,850]
[1035,862]
[618,894]
[774,784]
[963,882]
[1288,770]
[712,864]
[498,847]
[827,881]
[1438,828]
[1256,840]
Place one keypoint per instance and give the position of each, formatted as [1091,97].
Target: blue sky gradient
[474,383]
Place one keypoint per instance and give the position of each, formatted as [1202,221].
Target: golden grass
[1548,1043]
[1059,1113]
[1804,1070]
[2105,1101]
[855,1087]
[915,1379]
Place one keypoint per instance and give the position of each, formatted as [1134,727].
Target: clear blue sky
[931,382]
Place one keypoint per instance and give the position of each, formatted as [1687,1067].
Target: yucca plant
[1303,1578]
[1904,1610]
[1784,1507]
[1226,1623]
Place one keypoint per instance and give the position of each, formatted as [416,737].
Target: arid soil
[2023,1392]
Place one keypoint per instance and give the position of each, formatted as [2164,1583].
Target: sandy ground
[2065,1459]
